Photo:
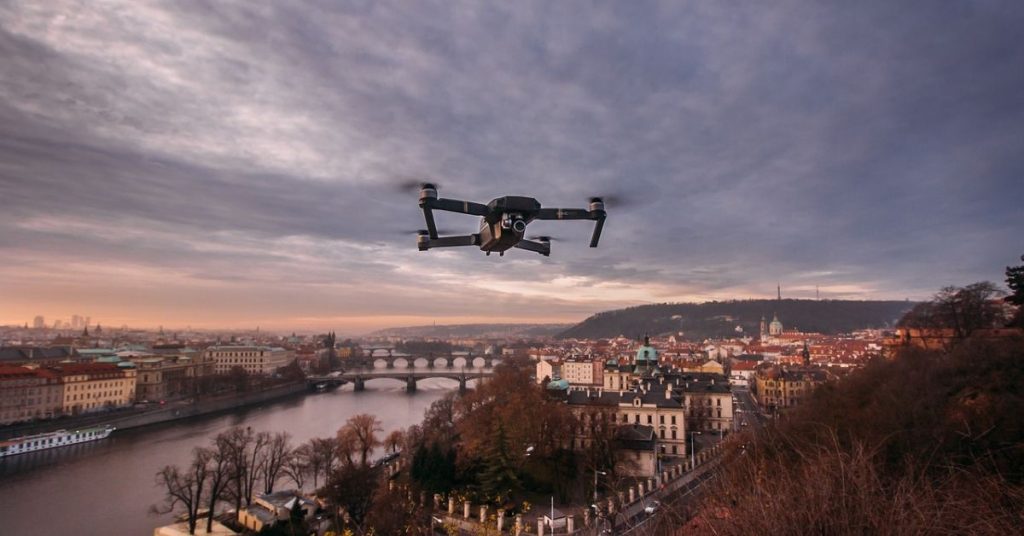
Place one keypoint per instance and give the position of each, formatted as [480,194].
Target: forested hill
[719,319]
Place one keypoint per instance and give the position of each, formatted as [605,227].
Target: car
[744,423]
[651,507]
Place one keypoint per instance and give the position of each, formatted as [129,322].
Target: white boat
[60,438]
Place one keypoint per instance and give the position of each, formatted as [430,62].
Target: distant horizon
[476,321]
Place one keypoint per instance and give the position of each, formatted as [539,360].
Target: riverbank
[137,417]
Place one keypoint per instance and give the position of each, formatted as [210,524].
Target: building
[28,393]
[268,509]
[256,360]
[37,356]
[658,405]
[782,387]
[548,368]
[164,377]
[618,376]
[89,387]
[741,372]
[583,372]
[637,452]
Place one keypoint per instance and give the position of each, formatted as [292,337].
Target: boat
[49,440]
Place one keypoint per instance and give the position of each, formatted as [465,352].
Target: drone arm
[455,205]
[544,248]
[597,230]
[426,243]
[565,214]
[428,214]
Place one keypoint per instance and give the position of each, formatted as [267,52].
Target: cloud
[244,155]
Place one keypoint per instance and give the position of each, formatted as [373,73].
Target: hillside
[719,319]
[474,331]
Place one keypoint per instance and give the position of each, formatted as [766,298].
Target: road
[745,410]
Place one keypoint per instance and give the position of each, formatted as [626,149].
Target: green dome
[558,385]
[646,353]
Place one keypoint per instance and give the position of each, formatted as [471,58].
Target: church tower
[764,328]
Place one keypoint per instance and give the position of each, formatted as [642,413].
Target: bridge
[358,378]
[449,361]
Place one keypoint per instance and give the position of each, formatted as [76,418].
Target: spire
[647,340]
[807,355]
[85,332]
[778,290]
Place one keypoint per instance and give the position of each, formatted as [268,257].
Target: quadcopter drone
[503,222]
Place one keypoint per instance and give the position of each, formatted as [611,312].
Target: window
[673,434]
[661,419]
[650,419]
[663,433]
[673,419]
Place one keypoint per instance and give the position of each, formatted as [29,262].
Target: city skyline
[235,167]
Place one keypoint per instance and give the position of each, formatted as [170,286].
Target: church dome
[775,328]
[646,353]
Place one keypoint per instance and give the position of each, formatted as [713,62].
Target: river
[107,487]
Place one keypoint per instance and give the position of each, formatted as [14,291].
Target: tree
[297,465]
[220,475]
[394,440]
[256,458]
[278,451]
[499,480]
[323,458]
[351,488]
[240,379]
[362,431]
[185,488]
[1015,280]
[964,310]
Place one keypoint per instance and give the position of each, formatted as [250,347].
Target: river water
[106,487]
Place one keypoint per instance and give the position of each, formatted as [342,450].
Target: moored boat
[49,440]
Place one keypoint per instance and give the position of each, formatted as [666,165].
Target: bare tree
[323,458]
[277,453]
[234,444]
[256,459]
[394,440]
[220,468]
[345,445]
[297,465]
[363,429]
[185,488]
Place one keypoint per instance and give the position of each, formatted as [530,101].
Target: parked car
[651,507]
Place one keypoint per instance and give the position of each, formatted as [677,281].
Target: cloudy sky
[232,164]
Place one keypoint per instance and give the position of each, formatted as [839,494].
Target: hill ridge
[718,319]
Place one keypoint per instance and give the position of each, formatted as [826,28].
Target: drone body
[503,222]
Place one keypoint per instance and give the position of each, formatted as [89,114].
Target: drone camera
[518,225]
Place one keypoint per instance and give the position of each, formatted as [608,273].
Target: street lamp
[596,472]
[693,457]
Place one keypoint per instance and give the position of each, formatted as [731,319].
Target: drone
[503,222]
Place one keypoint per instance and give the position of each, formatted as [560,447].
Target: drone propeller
[545,238]
[616,199]
[414,185]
